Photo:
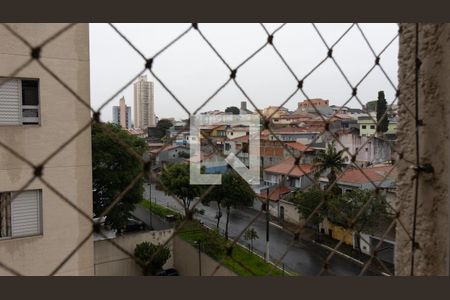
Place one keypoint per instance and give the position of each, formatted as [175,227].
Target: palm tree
[332,161]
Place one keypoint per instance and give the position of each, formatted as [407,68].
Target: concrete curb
[345,255]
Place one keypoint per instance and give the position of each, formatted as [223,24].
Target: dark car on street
[170,218]
[168,272]
[134,225]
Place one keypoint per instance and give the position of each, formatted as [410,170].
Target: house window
[227,147]
[372,126]
[19,101]
[20,214]
[363,126]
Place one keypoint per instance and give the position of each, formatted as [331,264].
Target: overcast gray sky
[193,72]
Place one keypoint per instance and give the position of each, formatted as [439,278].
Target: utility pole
[147,158]
[267,225]
[150,200]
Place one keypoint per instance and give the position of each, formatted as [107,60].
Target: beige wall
[291,213]
[187,263]
[432,234]
[111,261]
[70,170]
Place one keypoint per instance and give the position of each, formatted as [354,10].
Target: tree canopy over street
[175,178]
[113,169]
[233,192]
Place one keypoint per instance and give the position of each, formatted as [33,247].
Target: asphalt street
[302,257]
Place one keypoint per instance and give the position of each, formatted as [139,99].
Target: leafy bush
[151,257]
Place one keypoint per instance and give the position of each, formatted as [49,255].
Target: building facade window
[363,126]
[20,214]
[372,126]
[19,101]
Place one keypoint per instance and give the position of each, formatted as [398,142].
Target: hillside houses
[286,154]
[303,132]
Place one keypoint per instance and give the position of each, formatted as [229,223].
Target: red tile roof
[299,146]
[275,194]
[376,174]
[243,138]
[293,130]
[286,165]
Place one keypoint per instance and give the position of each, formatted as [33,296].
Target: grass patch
[252,262]
[216,245]
[159,210]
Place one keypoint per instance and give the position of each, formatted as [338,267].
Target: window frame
[40,214]
[39,108]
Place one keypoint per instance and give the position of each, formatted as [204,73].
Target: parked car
[100,221]
[168,272]
[170,218]
[133,225]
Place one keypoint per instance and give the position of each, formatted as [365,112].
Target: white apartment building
[144,111]
[38,230]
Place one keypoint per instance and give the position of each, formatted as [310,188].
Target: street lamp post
[199,258]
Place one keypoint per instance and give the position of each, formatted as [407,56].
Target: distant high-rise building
[122,114]
[144,113]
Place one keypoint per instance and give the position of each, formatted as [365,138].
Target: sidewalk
[354,255]
[324,241]
[305,234]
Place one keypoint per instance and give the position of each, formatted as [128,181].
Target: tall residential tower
[122,114]
[144,113]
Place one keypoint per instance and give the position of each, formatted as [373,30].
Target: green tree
[343,209]
[183,154]
[382,118]
[233,192]
[113,168]
[307,201]
[330,161]
[175,178]
[161,128]
[251,235]
[232,109]
[151,257]
[213,244]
